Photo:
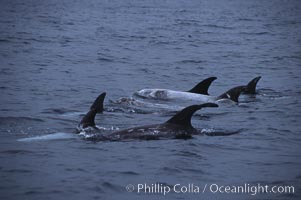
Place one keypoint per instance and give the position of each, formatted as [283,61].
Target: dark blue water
[56,57]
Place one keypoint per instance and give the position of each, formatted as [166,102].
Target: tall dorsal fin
[183,117]
[88,119]
[98,103]
[233,93]
[251,87]
[202,87]
[96,107]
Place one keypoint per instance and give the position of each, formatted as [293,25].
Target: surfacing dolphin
[203,95]
[232,94]
[89,119]
[203,86]
[177,127]
[200,88]
[251,86]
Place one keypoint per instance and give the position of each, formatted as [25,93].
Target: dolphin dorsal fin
[233,93]
[88,119]
[202,87]
[183,117]
[98,103]
[96,107]
[251,87]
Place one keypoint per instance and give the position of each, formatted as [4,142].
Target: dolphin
[251,86]
[89,119]
[200,88]
[177,127]
[165,94]
[203,86]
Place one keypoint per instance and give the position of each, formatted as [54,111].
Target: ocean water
[56,57]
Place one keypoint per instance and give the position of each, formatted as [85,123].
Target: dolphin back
[88,119]
[251,87]
[96,107]
[183,118]
[203,86]
[98,103]
[233,94]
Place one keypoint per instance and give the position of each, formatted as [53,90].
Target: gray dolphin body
[164,94]
[199,89]
[177,127]
[200,92]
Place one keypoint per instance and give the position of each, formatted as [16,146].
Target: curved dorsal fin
[98,103]
[251,87]
[202,87]
[96,107]
[88,119]
[183,117]
[233,93]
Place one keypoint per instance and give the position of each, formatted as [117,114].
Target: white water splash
[207,130]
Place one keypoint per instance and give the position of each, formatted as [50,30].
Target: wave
[255,33]
[191,61]
[61,111]
[15,151]
[217,26]
[54,136]
[8,120]
[105,59]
